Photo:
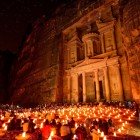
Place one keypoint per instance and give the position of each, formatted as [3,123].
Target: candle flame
[114,134]
[104,138]
[24,134]
[74,137]
[5,128]
[102,134]
[51,135]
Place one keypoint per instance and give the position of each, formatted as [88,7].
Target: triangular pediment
[88,61]
[74,39]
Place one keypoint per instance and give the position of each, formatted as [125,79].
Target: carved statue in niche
[90,48]
[109,45]
[72,57]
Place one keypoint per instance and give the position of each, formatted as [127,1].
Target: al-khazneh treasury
[87,51]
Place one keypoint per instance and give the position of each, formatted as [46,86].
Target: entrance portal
[101,90]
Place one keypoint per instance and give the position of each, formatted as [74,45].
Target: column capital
[75,74]
[96,70]
[68,75]
[117,65]
[83,73]
[105,68]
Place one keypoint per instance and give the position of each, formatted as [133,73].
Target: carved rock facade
[76,56]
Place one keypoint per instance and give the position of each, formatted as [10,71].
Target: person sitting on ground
[12,124]
[65,132]
[31,126]
[58,126]
[81,133]
[46,130]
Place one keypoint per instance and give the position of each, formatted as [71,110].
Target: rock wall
[130,12]
[38,75]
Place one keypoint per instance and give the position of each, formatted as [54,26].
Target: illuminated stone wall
[36,72]
[131,39]
[78,55]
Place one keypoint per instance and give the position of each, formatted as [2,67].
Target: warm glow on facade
[82,56]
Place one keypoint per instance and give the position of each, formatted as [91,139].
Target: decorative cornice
[91,65]
[102,26]
[89,35]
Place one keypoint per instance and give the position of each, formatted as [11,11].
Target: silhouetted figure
[72,123]
[53,122]
[105,127]
[110,124]
[100,123]
[18,124]
[65,132]
[58,126]
[81,133]
[13,123]
[31,126]
[46,130]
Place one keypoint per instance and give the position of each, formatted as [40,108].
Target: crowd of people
[60,131]
[57,129]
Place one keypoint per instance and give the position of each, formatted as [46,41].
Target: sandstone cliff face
[36,72]
[39,74]
[131,41]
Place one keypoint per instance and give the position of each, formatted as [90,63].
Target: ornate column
[97,85]
[75,84]
[69,86]
[113,38]
[107,89]
[102,43]
[84,86]
[85,47]
[119,82]
[68,51]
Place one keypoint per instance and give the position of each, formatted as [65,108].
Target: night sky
[17,15]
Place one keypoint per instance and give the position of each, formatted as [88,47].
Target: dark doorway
[80,88]
[101,90]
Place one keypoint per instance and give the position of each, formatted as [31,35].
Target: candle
[41,125]
[24,134]
[5,128]
[76,125]
[98,131]
[104,138]
[119,130]
[75,137]
[51,135]
[114,134]
[102,134]
[3,125]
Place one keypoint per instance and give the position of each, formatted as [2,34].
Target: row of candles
[80,114]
